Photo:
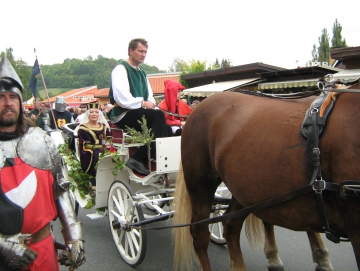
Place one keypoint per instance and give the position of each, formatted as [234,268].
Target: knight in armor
[94,135]
[33,191]
[61,115]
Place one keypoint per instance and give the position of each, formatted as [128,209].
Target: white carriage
[133,201]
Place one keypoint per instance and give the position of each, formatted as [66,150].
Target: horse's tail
[254,229]
[184,253]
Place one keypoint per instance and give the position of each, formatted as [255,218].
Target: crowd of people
[131,98]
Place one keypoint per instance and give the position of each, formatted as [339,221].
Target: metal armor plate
[37,149]
[2,158]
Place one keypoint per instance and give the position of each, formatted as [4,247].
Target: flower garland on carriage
[81,182]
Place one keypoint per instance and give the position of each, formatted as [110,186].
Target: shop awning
[207,90]
[289,84]
[349,75]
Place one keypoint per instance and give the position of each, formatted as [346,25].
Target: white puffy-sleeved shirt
[121,91]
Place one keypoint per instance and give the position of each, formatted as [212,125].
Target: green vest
[138,88]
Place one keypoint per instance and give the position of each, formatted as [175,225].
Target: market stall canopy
[289,84]
[207,90]
[349,75]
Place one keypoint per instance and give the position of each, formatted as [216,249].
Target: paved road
[294,251]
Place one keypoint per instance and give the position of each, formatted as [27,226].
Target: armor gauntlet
[46,121]
[73,233]
[15,253]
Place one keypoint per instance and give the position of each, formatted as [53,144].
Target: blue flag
[34,76]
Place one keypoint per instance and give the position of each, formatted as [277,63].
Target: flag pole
[46,91]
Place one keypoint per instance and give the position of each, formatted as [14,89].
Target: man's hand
[74,256]
[148,105]
[16,255]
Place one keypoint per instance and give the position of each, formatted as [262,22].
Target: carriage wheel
[131,243]
[217,229]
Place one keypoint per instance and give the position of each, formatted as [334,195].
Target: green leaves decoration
[144,137]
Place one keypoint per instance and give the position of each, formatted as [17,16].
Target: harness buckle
[319,185]
[316,151]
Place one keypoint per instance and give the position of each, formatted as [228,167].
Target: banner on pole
[34,76]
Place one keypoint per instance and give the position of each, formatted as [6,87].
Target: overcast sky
[272,32]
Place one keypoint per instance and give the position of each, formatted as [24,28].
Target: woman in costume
[175,105]
[94,135]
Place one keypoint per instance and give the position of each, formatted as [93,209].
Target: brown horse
[254,145]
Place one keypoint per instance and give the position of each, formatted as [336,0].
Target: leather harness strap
[38,236]
[173,114]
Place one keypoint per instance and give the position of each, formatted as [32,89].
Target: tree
[194,66]
[322,53]
[324,47]
[177,65]
[337,40]
[22,70]
[314,53]
[225,63]
[215,65]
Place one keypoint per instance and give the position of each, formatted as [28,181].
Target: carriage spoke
[121,206]
[117,203]
[130,243]
[220,229]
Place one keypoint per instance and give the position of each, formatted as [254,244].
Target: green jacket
[138,88]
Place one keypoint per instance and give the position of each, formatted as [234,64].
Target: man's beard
[9,121]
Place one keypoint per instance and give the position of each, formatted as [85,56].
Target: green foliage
[21,68]
[150,69]
[79,178]
[76,73]
[144,137]
[115,159]
[225,63]
[314,53]
[337,40]
[177,65]
[52,91]
[322,53]
[194,66]
[324,46]
[71,74]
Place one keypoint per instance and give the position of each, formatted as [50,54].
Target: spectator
[174,105]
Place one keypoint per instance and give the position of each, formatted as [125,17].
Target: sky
[276,32]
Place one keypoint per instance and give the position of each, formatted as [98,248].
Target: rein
[173,114]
